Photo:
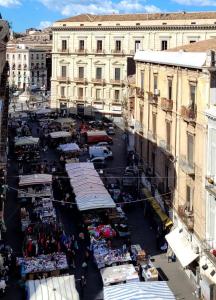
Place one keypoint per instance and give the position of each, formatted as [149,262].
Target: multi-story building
[173,90]
[92,54]
[35,40]
[4,104]
[27,67]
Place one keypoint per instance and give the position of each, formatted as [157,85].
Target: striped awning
[152,290]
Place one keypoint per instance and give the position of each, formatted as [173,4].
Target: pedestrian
[84,268]
[82,286]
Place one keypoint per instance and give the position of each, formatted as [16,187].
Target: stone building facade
[93,55]
[173,91]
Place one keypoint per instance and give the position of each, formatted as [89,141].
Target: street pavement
[141,233]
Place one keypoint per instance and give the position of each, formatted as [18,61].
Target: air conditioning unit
[157,92]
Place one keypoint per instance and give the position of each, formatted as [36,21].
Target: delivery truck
[97,136]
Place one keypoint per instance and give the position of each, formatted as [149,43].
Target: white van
[96,151]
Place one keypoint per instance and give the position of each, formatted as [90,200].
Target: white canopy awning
[157,290]
[53,288]
[88,187]
[118,274]
[60,134]
[70,147]
[26,140]
[181,247]
[34,179]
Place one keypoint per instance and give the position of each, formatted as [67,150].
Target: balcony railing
[63,51]
[151,136]
[186,216]
[166,104]
[63,79]
[116,102]
[117,52]
[188,113]
[63,98]
[164,146]
[187,166]
[117,82]
[80,80]
[98,101]
[99,81]
[139,92]
[153,99]
[99,51]
[81,51]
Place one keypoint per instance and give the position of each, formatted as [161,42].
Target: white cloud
[45,24]
[9,3]
[196,2]
[74,7]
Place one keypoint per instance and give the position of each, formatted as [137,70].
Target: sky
[23,14]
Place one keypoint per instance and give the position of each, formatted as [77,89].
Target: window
[117,73]
[13,57]
[189,198]
[80,93]
[81,72]
[63,71]
[38,74]
[37,56]
[99,46]
[98,94]
[62,91]
[190,149]
[64,45]
[98,73]
[37,65]
[42,56]
[168,136]
[154,126]
[118,46]
[192,96]
[155,82]
[32,56]
[24,56]
[81,45]
[141,116]
[137,45]
[19,56]
[142,80]
[116,95]
[164,45]
[32,74]
[32,65]
[169,89]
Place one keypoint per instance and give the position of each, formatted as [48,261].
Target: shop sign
[117,107]
[98,106]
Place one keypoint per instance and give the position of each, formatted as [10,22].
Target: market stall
[94,195]
[70,150]
[119,274]
[139,290]
[35,185]
[27,148]
[42,265]
[58,288]
[59,137]
[66,124]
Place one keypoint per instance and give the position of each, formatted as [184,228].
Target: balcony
[188,114]
[63,79]
[139,92]
[63,51]
[99,81]
[186,166]
[151,136]
[153,99]
[81,51]
[80,100]
[99,51]
[117,82]
[117,52]
[166,148]
[166,104]
[186,216]
[98,101]
[81,80]
[63,98]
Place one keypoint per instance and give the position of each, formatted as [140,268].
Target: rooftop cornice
[136,28]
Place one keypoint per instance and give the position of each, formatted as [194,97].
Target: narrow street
[141,231]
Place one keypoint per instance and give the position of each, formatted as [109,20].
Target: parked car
[99,162]
[111,131]
[101,151]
